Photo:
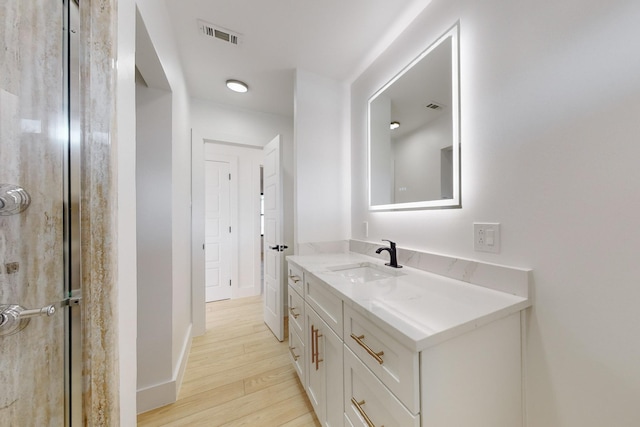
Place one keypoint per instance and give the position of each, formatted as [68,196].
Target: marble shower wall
[98,59]
[31,242]
[32,140]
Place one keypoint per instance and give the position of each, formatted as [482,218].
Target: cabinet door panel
[325,367]
[331,350]
[316,384]
[375,400]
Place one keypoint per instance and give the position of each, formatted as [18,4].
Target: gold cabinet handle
[358,406]
[295,356]
[377,356]
[315,352]
[318,360]
[295,315]
[313,344]
[295,279]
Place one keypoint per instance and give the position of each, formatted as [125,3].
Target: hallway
[237,374]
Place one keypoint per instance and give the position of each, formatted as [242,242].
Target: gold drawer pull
[295,279]
[295,356]
[295,316]
[315,349]
[377,356]
[358,406]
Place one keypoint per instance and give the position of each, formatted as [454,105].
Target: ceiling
[333,38]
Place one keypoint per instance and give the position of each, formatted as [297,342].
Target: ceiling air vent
[434,106]
[211,30]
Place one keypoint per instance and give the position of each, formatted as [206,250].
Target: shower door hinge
[74,298]
[229,282]
[229,229]
[229,177]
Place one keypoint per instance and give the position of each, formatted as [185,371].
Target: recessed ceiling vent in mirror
[215,31]
[434,106]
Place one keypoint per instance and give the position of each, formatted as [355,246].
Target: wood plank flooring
[238,374]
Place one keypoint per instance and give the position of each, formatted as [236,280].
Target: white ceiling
[333,38]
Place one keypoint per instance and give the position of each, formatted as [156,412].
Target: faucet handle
[392,244]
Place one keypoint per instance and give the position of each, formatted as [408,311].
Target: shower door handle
[14,318]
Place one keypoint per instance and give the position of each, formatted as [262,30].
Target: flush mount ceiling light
[237,86]
[394,125]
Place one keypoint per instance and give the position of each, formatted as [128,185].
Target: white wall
[248,280]
[322,159]
[417,158]
[381,157]
[154,231]
[158,24]
[126,216]
[550,100]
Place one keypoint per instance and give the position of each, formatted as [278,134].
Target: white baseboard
[167,392]
[182,361]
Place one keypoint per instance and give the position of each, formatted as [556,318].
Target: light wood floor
[238,374]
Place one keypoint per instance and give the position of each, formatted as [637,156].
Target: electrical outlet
[486,237]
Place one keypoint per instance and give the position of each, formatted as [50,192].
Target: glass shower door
[34,147]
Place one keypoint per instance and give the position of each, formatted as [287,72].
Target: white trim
[162,394]
[198,307]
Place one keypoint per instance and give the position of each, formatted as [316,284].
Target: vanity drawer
[295,278]
[296,311]
[324,302]
[296,352]
[394,364]
[376,402]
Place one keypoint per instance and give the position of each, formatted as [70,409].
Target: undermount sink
[364,272]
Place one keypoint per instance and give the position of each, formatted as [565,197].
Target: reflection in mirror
[417,163]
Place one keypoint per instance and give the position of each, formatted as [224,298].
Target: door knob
[14,318]
[279,248]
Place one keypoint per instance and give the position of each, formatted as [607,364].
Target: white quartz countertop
[418,308]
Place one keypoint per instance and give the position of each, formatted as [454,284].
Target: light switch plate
[486,237]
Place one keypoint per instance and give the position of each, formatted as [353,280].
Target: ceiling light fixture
[237,86]
[394,125]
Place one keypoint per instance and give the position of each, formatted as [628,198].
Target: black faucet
[393,262]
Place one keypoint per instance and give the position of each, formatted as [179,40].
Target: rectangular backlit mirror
[417,164]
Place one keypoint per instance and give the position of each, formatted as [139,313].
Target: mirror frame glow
[455,201]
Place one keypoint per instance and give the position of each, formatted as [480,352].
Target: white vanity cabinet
[325,370]
[471,380]
[296,308]
[315,344]
[434,353]
[296,334]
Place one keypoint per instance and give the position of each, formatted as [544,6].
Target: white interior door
[217,231]
[274,289]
